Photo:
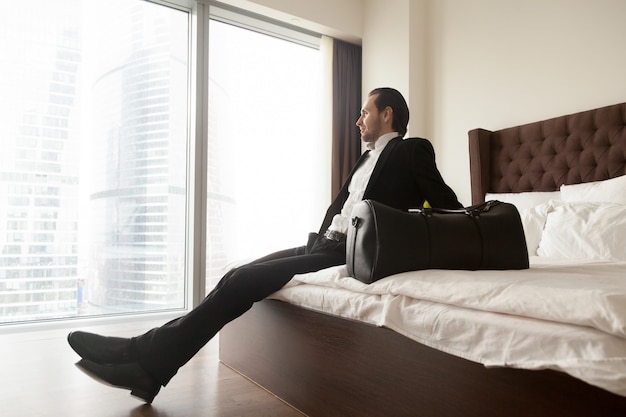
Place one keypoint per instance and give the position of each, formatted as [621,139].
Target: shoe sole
[134,392]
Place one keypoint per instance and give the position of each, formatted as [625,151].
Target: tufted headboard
[542,156]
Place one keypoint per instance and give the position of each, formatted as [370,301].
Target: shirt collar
[382,141]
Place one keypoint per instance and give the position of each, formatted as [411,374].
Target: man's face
[371,123]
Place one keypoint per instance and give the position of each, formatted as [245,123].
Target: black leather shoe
[130,376]
[100,349]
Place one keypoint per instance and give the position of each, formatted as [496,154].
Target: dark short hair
[389,97]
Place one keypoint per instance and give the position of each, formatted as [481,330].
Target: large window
[93,139]
[265,144]
[98,154]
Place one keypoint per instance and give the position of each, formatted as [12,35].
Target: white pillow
[608,191]
[584,230]
[534,220]
[525,200]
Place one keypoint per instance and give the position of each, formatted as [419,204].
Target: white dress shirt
[359,182]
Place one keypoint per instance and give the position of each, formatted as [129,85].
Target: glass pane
[265,150]
[93,132]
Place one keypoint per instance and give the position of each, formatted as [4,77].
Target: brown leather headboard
[542,156]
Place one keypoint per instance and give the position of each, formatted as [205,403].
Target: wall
[386,44]
[499,63]
[394,53]
[495,64]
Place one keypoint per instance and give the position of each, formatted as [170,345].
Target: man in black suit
[399,173]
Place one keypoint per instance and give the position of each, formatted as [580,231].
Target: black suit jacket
[404,177]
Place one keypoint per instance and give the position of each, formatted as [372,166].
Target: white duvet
[563,315]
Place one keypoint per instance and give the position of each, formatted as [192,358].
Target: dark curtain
[346,146]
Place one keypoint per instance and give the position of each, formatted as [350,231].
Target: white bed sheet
[563,315]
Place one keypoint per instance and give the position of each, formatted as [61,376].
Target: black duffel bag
[383,241]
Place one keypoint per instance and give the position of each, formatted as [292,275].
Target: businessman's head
[384,111]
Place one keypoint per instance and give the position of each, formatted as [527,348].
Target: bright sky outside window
[93,132]
[265,193]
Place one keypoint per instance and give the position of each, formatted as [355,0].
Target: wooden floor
[38,379]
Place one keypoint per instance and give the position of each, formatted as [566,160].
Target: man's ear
[388,115]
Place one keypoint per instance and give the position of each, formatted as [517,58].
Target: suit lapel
[356,166]
[359,162]
[343,193]
[382,160]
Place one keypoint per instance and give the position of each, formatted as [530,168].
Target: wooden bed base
[325,366]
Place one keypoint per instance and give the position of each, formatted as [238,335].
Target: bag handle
[473,211]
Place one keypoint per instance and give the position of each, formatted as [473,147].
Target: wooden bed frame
[328,366]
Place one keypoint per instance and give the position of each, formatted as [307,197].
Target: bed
[413,345]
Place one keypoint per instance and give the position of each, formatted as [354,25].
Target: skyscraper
[137,198]
[39,175]
[93,161]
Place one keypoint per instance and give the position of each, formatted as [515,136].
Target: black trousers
[163,350]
